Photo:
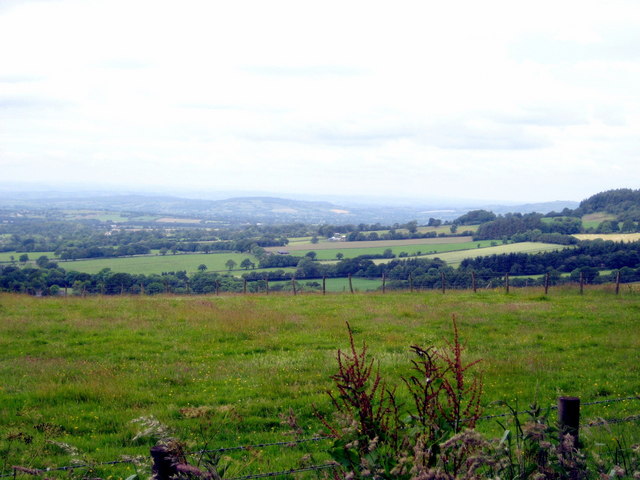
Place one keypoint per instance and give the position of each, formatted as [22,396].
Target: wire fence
[17,470]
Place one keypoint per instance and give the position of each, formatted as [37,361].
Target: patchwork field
[326,245]
[592,220]
[614,237]
[219,371]
[215,262]
[455,257]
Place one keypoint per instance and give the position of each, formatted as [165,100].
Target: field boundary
[166,465]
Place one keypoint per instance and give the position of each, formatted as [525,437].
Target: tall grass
[88,367]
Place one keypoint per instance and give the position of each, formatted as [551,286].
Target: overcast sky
[496,100]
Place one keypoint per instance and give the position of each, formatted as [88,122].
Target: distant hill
[256,209]
[622,202]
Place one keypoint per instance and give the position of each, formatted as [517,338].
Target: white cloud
[512,100]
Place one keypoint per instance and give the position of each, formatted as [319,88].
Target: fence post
[581,283]
[411,282]
[618,282]
[569,416]
[350,284]
[293,285]
[442,280]
[384,283]
[266,279]
[244,286]
[473,281]
[164,466]
[188,283]
[546,283]
[506,282]
[324,285]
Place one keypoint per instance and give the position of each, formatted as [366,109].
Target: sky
[495,100]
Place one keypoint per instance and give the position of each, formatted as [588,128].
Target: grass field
[614,237]
[411,249]
[340,284]
[592,220]
[326,245]
[454,258]
[215,262]
[6,256]
[219,371]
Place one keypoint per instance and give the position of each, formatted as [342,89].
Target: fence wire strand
[287,472]
[293,443]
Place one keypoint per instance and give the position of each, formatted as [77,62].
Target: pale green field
[454,258]
[410,250]
[341,284]
[6,256]
[146,265]
[614,237]
[592,220]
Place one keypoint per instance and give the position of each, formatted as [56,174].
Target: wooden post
[164,465]
[569,416]
[266,279]
[293,285]
[244,286]
[443,281]
[350,284]
[581,283]
[142,289]
[546,283]
[506,282]
[217,287]
[618,282]
[384,283]
[411,283]
[188,287]
[324,285]
[473,282]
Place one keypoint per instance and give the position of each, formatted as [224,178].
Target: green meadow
[411,250]
[77,375]
[147,264]
[453,258]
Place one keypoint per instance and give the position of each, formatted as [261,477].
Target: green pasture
[336,284]
[454,258]
[411,250]
[215,262]
[92,379]
[592,220]
[6,256]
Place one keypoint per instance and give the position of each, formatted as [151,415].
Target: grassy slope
[454,258]
[160,263]
[92,365]
[409,249]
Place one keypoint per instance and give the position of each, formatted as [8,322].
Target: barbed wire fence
[39,472]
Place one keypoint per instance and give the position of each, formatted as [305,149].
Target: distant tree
[247,264]
[312,255]
[412,226]
[339,255]
[24,258]
[230,264]
[163,251]
[314,239]
[434,222]
[202,267]
[453,228]
[42,261]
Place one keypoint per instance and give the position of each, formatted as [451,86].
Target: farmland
[222,369]
[455,257]
[614,237]
[327,245]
